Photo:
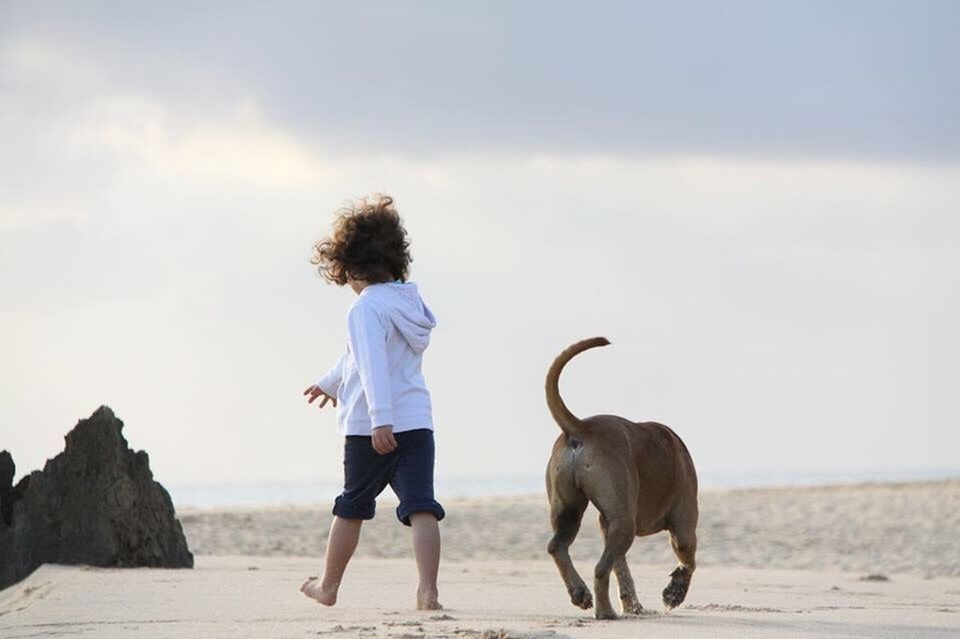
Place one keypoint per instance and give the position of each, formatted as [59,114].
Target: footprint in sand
[353,630]
[735,608]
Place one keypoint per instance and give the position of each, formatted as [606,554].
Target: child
[383,406]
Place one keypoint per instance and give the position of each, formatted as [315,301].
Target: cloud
[239,146]
[28,63]
[75,140]
[39,213]
[854,80]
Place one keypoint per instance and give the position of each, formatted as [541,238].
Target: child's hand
[383,440]
[314,392]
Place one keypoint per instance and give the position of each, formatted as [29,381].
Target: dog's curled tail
[568,422]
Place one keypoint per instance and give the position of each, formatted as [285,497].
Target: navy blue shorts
[408,470]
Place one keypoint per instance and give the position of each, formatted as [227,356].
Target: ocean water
[224,495]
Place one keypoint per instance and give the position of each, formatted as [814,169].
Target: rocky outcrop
[95,503]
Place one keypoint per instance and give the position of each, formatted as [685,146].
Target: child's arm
[368,342]
[328,385]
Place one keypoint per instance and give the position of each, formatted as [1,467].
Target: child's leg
[426,548]
[344,535]
[413,483]
[366,474]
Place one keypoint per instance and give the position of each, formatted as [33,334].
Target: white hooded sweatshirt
[378,381]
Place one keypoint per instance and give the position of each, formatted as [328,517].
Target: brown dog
[639,476]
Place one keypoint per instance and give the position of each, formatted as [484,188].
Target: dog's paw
[581,597]
[630,606]
[676,590]
[673,596]
[605,614]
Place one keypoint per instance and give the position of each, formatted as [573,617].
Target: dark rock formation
[95,503]
[7,471]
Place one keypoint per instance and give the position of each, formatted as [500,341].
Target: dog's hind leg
[629,604]
[565,517]
[620,532]
[683,539]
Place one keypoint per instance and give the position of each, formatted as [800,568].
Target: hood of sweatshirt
[411,316]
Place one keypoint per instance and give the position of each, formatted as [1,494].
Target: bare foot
[314,589]
[427,600]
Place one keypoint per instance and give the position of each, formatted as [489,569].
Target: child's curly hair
[368,243]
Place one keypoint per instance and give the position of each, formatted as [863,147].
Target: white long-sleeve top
[378,380]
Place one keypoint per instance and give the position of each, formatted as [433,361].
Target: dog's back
[660,466]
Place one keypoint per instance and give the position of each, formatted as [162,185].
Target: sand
[257,597]
[889,528]
[774,563]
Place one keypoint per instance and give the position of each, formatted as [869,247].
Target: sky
[756,202]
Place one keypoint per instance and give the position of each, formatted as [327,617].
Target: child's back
[389,328]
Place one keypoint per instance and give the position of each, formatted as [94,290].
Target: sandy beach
[908,528]
[773,563]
